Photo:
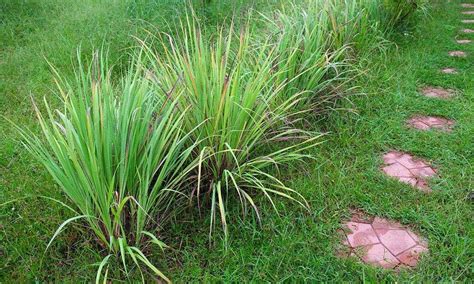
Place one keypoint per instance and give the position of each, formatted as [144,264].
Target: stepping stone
[408,169]
[468,12]
[436,92]
[468,21]
[384,243]
[449,70]
[463,41]
[430,122]
[457,53]
[468,31]
[467,5]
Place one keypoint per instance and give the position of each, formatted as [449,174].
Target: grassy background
[298,245]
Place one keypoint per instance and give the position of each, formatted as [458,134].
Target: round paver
[468,12]
[457,53]
[449,70]
[467,5]
[408,169]
[437,92]
[463,41]
[383,243]
[430,122]
[468,31]
[468,21]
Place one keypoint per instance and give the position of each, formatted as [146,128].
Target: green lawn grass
[298,245]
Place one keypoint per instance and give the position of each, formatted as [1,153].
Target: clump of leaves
[230,88]
[121,155]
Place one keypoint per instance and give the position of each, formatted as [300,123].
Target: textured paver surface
[437,92]
[463,41]
[468,31]
[430,122]
[384,243]
[408,169]
[468,21]
[468,12]
[449,70]
[457,53]
[467,5]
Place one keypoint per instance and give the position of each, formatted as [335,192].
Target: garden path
[389,244]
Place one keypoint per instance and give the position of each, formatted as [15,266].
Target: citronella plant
[315,41]
[230,88]
[303,57]
[389,14]
[121,155]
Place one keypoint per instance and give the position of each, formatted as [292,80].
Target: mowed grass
[298,245]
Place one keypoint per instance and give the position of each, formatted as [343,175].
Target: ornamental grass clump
[390,14]
[306,59]
[122,157]
[229,88]
[316,41]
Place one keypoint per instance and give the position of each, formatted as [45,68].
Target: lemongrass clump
[306,59]
[230,89]
[316,40]
[120,154]
[389,14]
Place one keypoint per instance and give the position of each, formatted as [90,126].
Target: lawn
[295,244]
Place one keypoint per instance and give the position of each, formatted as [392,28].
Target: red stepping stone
[430,122]
[384,243]
[467,5]
[468,31]
[449,70]
[436,92]
[463,41]
[468,21]
[468,12]
[408,169]
[457,53]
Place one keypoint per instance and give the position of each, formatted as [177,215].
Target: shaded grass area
[298,246]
